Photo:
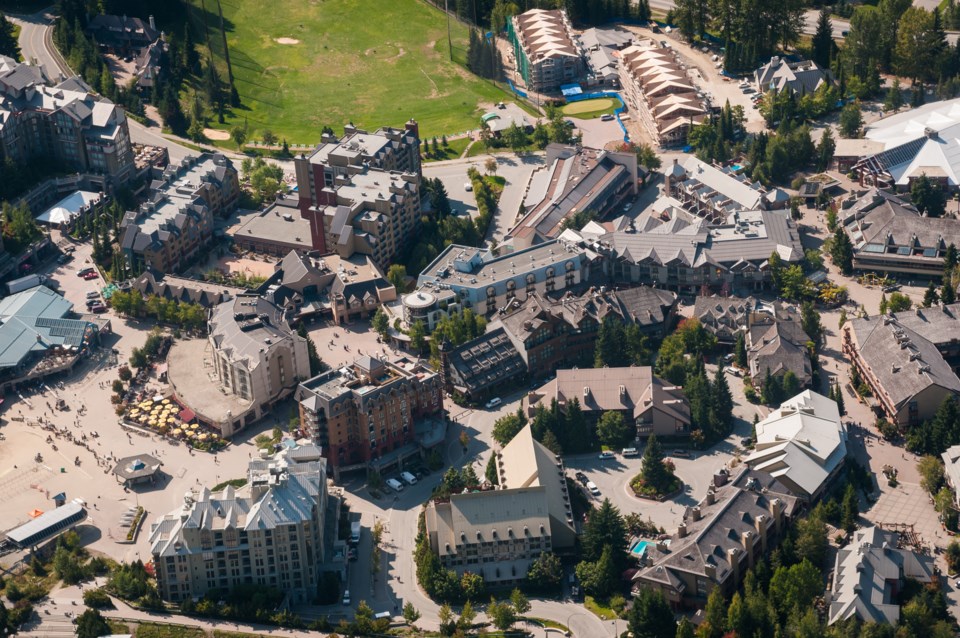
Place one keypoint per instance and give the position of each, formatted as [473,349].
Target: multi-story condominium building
[176,222]
[732,530]
[908,360]
[498,533]
[870,574]
[547,57]
[252,359]
[573,179]
[685,254]
[365,415]
[371,213]
[889,235]
[651,404]
[65,123]
[714,193]
[657,88]
[484,283]
[269,532]
[803,443]
[384,155]
[801,77]
[534,337]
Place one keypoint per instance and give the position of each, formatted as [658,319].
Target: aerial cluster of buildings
[534,337]
[132,39]
[772,331]
[64,123]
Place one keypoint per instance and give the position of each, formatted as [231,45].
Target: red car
[91,275]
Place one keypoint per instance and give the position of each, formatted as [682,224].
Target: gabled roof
[868,573]
[801,443]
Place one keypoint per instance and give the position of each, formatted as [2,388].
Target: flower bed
[135,525]
[641,490]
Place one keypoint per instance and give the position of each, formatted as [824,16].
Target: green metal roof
[33,321]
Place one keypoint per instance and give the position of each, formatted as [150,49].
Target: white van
[629,451]
[408,478]
[592,488]
[395,485]
[494,402]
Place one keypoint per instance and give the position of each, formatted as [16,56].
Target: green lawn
[452,150]
[589,109]
[375,62]
[599,608]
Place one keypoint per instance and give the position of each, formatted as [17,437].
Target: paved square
[908,503]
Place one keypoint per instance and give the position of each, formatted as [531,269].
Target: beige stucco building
[269,532]
[498,533]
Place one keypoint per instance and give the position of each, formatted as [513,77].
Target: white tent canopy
[68,208]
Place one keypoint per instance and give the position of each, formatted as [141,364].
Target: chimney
[733,555]
[711,497]
[153,24]
[695,513]
[682,530]
[710,571]
[747,540]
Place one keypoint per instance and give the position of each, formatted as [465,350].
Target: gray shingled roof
[901,350]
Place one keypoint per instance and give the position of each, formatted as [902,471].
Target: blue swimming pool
[736,168]
[641,547]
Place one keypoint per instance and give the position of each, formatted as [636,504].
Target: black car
[582,477]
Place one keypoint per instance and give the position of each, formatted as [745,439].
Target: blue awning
[570,89]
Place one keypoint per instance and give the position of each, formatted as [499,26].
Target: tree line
[493,14]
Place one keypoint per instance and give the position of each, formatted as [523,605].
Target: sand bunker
[286,41]
[214,134]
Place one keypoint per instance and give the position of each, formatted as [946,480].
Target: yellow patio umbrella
[194,426]
[152,422]
[134,412]
[177,432]
[166,402]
